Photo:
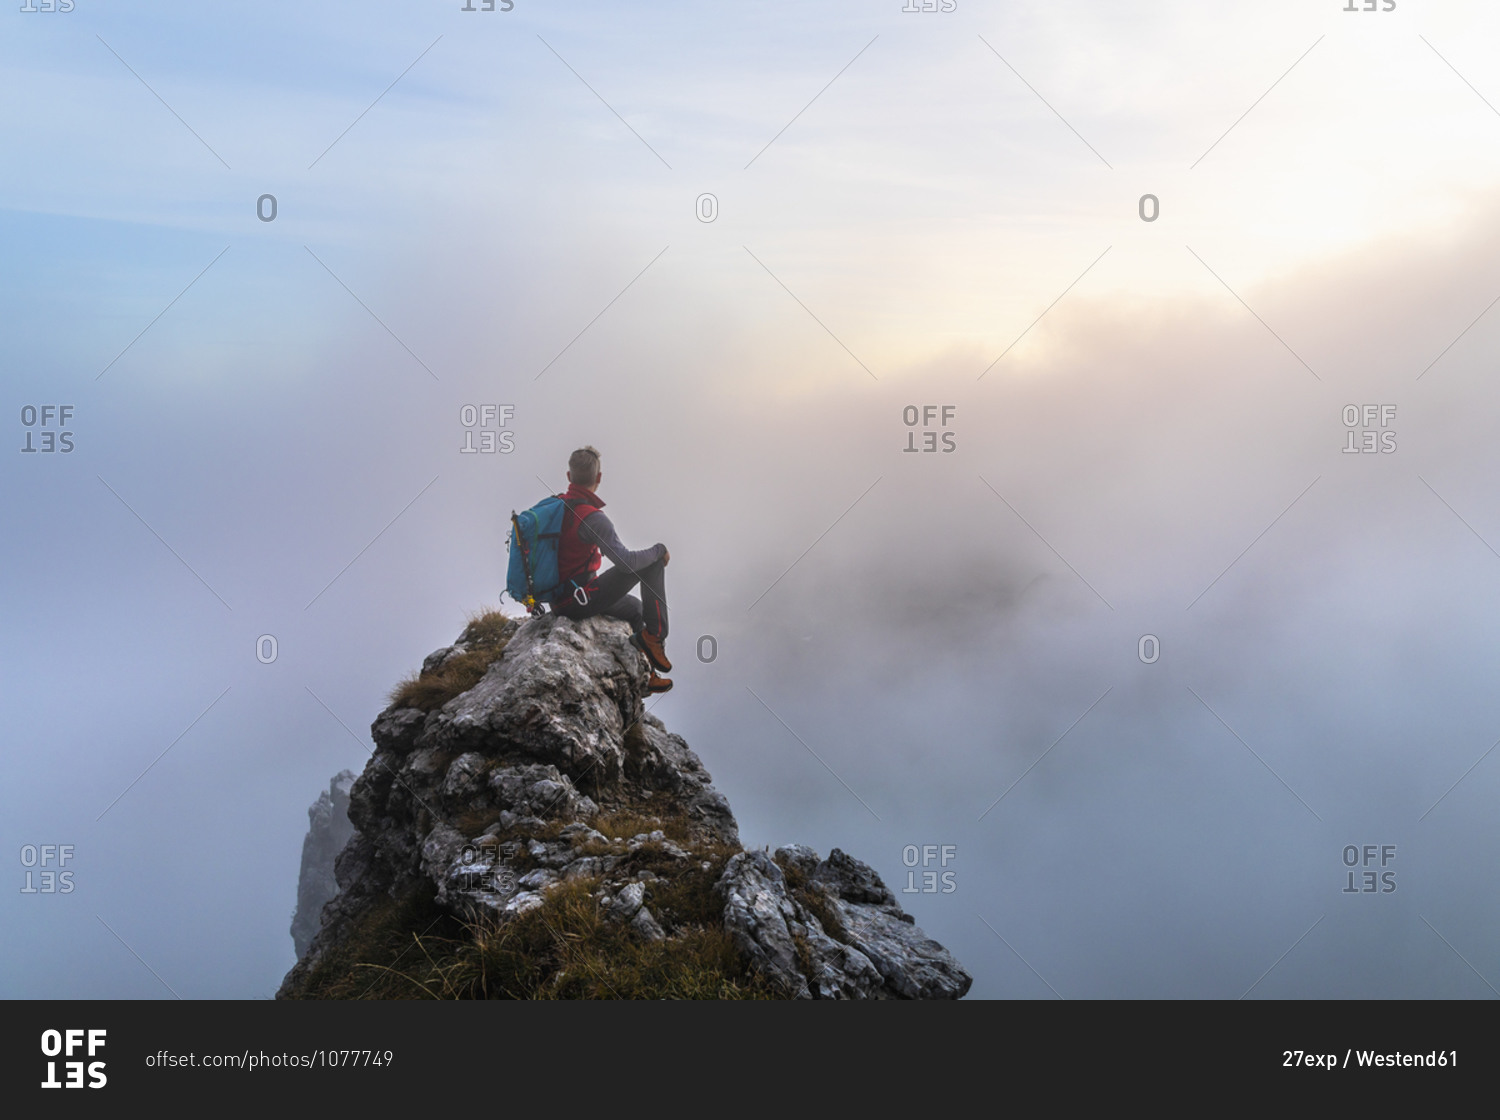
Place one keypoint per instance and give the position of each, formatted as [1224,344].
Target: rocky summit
[524,829]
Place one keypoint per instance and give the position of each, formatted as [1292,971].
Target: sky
[1152,649]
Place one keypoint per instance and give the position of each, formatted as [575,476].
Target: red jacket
[576,558]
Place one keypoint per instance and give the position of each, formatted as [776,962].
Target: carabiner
[580,595]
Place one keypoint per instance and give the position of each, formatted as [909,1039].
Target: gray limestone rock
[645,926]
[564,693]
[628,902]
[874,950]
[760,917]
[798,857]
[547,776]
[913,965]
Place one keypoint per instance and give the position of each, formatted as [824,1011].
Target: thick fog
[1144,653]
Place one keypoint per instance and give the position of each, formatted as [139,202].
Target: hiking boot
[658,684]
[651,646]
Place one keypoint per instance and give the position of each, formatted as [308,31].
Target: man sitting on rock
[587,533]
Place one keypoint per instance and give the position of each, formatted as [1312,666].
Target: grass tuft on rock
[567,948]
[485,637]
[358,966]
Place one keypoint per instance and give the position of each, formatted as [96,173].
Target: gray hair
[583,466]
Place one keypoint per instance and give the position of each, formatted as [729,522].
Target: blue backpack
[532,576]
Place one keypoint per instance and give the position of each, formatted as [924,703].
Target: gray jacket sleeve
[599,529]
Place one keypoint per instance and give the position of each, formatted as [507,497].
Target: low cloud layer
[909,648]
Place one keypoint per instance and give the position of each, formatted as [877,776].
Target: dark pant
[607,595]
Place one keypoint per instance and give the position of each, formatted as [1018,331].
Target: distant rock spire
[328,830]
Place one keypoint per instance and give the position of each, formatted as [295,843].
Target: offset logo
[1366,880]
[67,1044]
[43,864]
[928,416]
[1368,435]
[490,420]
[43,426]
[932,881]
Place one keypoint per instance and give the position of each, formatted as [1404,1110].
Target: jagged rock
[328,830]
[837,971]
[645,926]
[465,778]
[580,834]
[872,921]
[538,879]
[624,905]
[515,790]
[585,867]
[396,729]
[564,692]
[440,657]
[799,858]
[661,761]
[875,950]
[526,900]
[539,793]
[851,880]
[759,916]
